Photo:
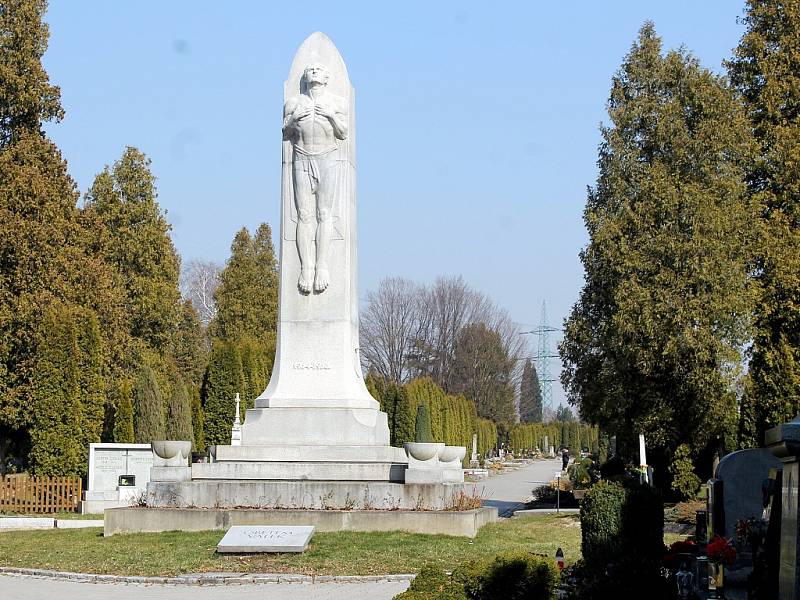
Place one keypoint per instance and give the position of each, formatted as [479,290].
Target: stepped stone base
[298,471]
[310,453]
[307,495]
[136,520]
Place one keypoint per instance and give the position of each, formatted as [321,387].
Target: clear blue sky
[477,121]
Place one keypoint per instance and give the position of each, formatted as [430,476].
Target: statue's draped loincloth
[315,173]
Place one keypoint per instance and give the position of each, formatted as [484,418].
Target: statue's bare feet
[321,280]
[305,281]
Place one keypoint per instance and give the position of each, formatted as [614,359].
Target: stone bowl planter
[452,454]
[423,451]
[173,453]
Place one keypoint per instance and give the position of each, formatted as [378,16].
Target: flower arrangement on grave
[721,551]
[677,552]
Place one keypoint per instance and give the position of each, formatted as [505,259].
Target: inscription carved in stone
[313,366]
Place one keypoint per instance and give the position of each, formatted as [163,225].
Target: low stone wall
[345,495]
[136,520]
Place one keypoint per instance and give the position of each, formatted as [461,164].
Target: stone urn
[172,453]
[424,451]
[452,455]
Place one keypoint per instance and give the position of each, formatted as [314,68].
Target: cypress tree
[223,380]
[190,349]
[148,407]
[132,236]
[403,416]
[179,414]
[765,71]
[247,296]
[530,395]
[91,376]
[198,429]
[422,428]
[40,250]
[123,418]
[56,433]
[654,343]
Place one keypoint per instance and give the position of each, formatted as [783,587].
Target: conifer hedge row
[453,419]
[571,434]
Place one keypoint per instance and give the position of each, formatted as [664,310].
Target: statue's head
[316,73]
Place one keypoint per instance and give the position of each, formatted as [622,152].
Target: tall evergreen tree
[223,380]
[765,70]
[56,430]
[198,426]
[481,371]
[148,407]
[247,295]
[189,345]
[654,343]
[39,233]
[132,234]
[123,417]
[530,395]
[91,362]
[179,415]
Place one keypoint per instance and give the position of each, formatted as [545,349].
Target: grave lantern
[560,559]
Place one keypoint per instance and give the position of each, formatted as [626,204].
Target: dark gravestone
[716,509]
[744,473]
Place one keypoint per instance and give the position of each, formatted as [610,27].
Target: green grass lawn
[341,553]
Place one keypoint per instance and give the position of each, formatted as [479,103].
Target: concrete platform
[297,471]
[315,454]
[457,523]
[376,495]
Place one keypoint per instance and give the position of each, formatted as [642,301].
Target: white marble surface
[108,461]
[317,363]
[266,538]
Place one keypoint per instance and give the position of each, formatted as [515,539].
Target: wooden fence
[21,493]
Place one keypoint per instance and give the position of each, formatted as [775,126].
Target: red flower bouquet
[721,551]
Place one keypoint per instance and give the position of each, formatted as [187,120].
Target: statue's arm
[289,118]
[340,121]
[337,116]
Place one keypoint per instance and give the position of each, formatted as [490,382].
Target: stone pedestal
[784,442]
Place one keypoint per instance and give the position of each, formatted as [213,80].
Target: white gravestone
[266,538]
[107,462]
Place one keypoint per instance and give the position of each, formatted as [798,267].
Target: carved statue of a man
[315,122]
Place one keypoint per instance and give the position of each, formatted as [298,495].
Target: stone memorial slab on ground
[266,538]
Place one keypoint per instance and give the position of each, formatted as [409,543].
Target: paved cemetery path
[30,588]
[510,491]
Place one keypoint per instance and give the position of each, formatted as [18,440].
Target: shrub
[432,583]
[684,479]
[509,576]
[622,540]
[601,523]
[423,425]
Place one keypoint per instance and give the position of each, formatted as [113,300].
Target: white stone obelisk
[316,394]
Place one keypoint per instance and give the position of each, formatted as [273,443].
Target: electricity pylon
[542,359]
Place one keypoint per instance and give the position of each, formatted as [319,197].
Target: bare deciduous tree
[199,280]
[409,330]
[389,326]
